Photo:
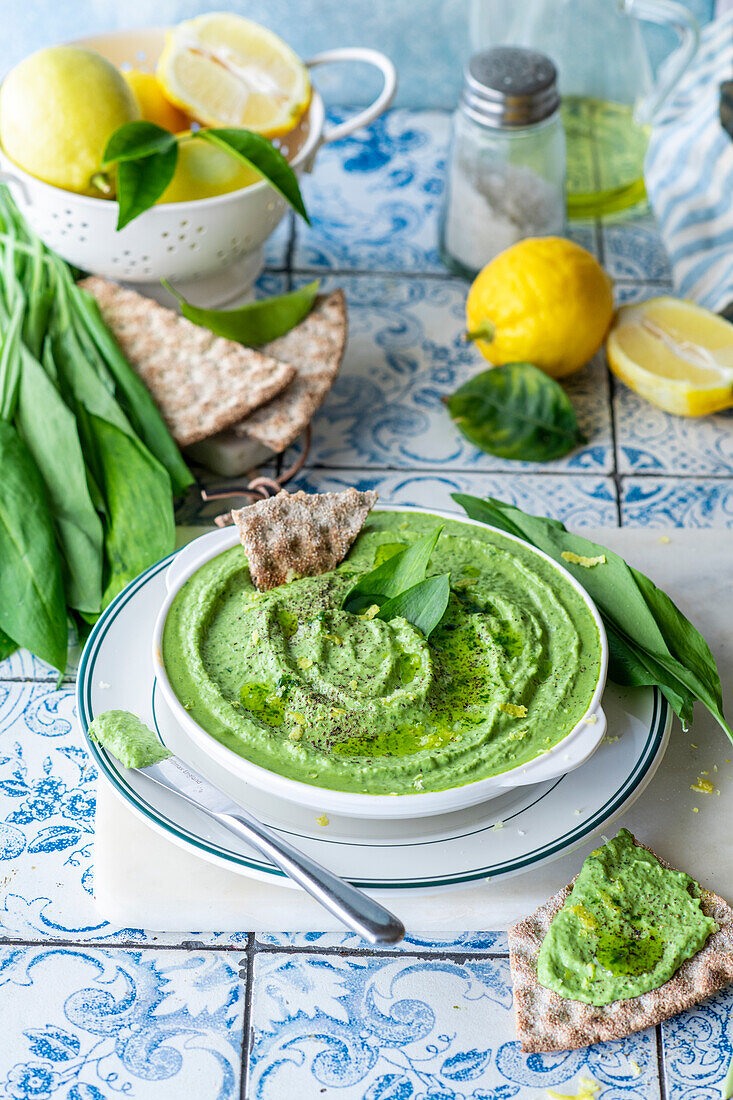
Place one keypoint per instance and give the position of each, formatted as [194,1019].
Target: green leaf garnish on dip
[626,927]
[128,739]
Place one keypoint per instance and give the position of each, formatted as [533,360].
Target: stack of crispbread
[230,406]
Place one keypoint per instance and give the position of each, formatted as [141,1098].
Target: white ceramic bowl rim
[544,766]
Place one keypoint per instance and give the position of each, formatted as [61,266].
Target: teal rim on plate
[85,678]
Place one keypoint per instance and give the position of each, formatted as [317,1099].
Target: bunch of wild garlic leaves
[88,469]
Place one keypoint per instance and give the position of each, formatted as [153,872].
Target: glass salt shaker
[506,168]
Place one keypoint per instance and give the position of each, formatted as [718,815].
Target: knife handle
[351,906]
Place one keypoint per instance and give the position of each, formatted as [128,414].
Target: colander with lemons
[209,227]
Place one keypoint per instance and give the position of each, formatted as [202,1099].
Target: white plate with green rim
[512,834]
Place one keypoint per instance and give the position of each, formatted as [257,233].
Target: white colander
[203,242]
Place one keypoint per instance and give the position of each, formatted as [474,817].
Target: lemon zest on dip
[580,559]
[513,709]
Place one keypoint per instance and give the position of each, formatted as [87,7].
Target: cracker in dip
[300,534]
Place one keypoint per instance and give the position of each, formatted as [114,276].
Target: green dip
[627,925]
[128,739]
[289,681]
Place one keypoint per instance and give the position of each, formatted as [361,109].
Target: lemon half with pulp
[675,354]
[225,70]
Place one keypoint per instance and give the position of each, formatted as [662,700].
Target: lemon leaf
[517,412]
[140,183]
[259,153]
[135,140]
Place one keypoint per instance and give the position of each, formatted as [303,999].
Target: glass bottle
[505,177]
[610,96]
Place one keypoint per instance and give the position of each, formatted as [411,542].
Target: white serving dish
[201,242]
[574,749]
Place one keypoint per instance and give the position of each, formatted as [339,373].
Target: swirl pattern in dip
[291,682]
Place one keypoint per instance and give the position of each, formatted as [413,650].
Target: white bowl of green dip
[358,716]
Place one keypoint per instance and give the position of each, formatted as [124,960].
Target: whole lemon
[154,107]
[202,171]
[58,109]
[545,301]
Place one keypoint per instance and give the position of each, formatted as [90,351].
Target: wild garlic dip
[291,682]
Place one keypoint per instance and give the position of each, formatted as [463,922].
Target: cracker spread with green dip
[291,681]
[629,943]
[628,924]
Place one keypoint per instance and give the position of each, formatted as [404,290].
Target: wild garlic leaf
[517,412]
[254,323]
[423,605]
[395,575]
[650,640]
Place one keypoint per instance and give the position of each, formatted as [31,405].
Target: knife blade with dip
[135,746]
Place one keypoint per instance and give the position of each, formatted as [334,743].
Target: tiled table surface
[89,1011]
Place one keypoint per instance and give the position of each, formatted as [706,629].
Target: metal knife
[357,911]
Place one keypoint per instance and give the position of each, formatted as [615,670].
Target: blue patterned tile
[47,806]
[408,1029]
[676,502]
[406,351]
[627,293]
[495,942]
[578,501]
[374,198]
[633,250]
[86,1024]
[649,440]
[698,1047]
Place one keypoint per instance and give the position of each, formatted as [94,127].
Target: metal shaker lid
[509,86]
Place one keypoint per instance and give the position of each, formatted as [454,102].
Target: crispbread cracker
[200,382]
[546,1021]
[300,534]
[315,348]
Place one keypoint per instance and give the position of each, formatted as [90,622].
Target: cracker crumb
[580,559]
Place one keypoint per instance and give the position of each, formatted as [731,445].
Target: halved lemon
[225,70]
[675,354]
